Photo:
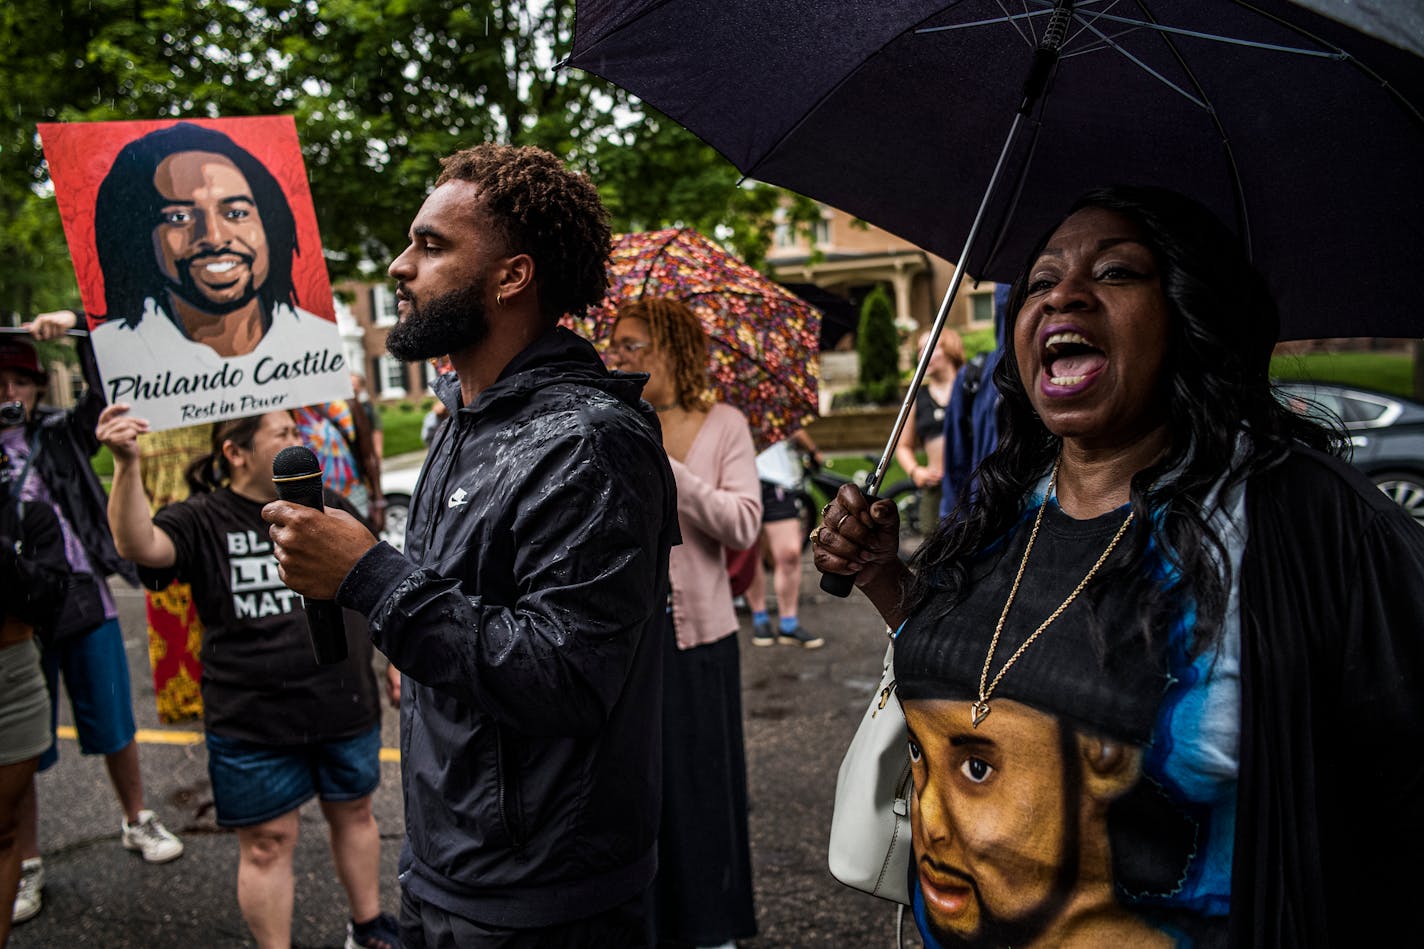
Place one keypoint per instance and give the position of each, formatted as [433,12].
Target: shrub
[886,392]
[876,344]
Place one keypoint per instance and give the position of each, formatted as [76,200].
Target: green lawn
[1385,372]
[401,423]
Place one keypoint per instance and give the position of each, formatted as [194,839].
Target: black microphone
[298,476]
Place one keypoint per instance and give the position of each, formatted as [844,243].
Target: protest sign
[199,262]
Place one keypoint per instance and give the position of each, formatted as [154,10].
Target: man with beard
[196,239]
[528,613]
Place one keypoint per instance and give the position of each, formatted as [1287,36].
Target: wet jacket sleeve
[726,504]
[587,532]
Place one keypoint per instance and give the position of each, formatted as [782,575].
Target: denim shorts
[96,676]
[255,783]
[778,503]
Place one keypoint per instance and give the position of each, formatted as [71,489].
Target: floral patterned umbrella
[762,338]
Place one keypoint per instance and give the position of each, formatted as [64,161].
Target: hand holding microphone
[297,474]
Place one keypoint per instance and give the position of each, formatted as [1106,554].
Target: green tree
[380,90]
[876,345]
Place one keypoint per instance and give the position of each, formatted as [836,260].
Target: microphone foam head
[297,461]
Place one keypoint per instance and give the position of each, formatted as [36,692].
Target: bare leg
[356,851]
[128,783]
[15,781]
[784,537]
[756,592]
[265,881]
[27,817]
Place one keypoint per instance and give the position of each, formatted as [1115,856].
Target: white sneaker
[149,837]
[27,897]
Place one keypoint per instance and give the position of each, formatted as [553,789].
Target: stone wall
[853,429]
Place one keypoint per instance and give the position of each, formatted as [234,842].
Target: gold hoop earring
[499,299]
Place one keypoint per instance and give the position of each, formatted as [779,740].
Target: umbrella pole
[1044,59]
[872,485]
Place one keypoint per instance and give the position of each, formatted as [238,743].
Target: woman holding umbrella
[1160,678]
[704,884]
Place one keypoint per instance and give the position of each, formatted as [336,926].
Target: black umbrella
[1310,141]
[967,127]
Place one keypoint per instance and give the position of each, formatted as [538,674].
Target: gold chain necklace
[980,709]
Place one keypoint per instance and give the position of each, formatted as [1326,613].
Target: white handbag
[870,824]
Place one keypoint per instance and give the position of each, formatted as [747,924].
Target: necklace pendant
[978,712]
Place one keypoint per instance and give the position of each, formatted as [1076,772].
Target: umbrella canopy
[1303,132]
[761,337]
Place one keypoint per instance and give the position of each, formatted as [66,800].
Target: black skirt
[704,883]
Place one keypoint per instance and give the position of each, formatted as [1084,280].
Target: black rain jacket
[66,443]
[1330,804]
[528,617]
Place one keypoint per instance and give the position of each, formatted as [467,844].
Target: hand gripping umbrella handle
[840,584]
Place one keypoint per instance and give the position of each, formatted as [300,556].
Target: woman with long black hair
[1164,672]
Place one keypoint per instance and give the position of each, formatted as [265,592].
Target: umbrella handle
[837,584]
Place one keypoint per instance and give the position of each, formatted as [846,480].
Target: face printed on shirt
[1009,825]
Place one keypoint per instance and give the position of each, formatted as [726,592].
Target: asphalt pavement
[800,709]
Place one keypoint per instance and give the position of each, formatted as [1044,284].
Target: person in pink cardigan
[704,883]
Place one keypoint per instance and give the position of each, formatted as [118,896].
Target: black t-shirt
[261,682]
[1067,777]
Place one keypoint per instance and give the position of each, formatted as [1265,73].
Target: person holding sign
[280,729]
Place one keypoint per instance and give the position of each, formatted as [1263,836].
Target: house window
[391,373]
[383,305]
[981,307]
[820,232]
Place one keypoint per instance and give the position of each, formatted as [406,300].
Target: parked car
[398,485]
[1386,434]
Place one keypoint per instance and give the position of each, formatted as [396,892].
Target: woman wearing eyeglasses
[704,885]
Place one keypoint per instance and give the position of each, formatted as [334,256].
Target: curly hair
[1223,327]
[678,333]
[543,209]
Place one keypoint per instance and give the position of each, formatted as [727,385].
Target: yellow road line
[152,736]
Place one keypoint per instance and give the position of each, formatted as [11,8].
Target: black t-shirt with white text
[261,682]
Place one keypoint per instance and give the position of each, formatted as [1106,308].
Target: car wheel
[397,512]
[1405,489]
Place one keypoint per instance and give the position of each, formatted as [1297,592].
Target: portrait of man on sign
[205,298]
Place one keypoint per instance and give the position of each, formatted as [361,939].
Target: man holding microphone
[529,611]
